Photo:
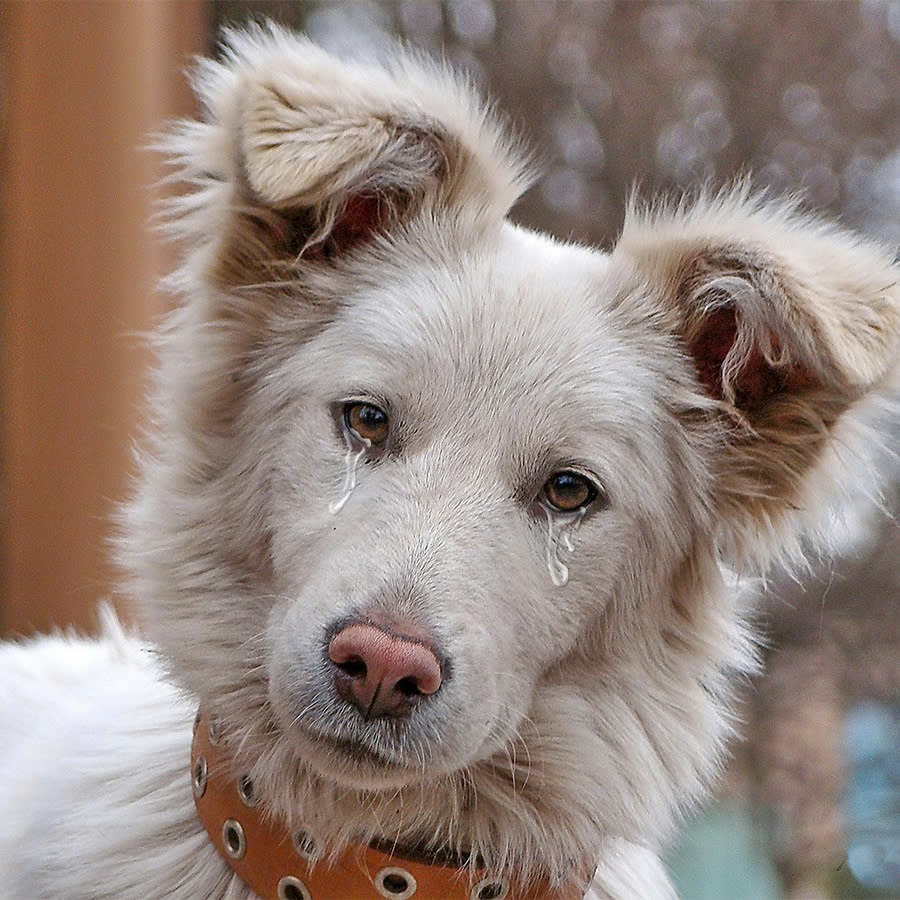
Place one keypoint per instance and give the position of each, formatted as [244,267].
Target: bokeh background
[666,95]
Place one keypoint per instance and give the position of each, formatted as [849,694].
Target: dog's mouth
[338,744]
[353,760]
[358,751]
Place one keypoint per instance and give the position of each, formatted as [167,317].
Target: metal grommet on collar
[395,884]
[199,775]
[215,731]
[234,839]
[489,889]
[292,888]
[247,791]
[305,846]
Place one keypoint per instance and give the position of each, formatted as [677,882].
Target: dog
[447,528]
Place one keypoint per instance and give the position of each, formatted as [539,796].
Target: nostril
[409,687]
[354,667]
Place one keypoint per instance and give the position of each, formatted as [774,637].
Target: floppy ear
[304,157]
[788,323]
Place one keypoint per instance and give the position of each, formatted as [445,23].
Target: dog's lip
[357,750]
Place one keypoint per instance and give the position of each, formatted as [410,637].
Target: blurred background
[805,95]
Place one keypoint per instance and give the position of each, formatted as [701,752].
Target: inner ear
[363,216]
[266,244]
[743,364]
[710,346]
[742,332]
[358,220]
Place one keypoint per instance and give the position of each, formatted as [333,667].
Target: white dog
[436,515]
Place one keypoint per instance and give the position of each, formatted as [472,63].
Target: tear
[560,532]
[351,461]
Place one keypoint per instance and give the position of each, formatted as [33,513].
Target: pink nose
[382,674]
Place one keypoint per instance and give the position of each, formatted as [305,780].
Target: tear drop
[560,533]
[351,460]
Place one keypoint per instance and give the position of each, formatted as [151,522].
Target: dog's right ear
[790,325]
[303,157]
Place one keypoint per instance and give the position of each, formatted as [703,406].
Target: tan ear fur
[789,324]
[301,137]
[806,293]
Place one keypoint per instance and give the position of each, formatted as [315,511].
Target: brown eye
[569,491]
[367,421]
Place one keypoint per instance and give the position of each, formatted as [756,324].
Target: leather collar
[277,865]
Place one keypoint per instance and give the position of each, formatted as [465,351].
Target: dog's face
[436,502]
[519,416]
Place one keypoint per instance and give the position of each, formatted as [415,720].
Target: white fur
[581,721]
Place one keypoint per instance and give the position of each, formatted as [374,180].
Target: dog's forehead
[521,310]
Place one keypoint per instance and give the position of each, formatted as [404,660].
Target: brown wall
[84,83]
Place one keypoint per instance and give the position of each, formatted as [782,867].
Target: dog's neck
[275,863]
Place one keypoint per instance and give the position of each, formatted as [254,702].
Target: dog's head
[436,505]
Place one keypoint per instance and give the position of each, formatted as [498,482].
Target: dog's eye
[367,421]
[569,491]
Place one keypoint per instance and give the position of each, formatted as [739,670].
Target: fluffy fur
[345,236]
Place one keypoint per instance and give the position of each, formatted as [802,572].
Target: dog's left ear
[787,321]
[303,157]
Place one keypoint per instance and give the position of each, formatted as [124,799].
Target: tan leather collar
[276,865]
